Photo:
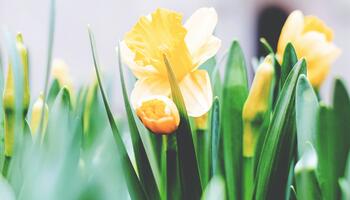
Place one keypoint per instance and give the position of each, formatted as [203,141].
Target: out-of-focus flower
[256,105]
[36,115]
[60,71]
[313,40]
[9,96]
[185,46]
[159,114]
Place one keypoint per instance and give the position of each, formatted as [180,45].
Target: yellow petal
[150,86]
[313,23]
[315,48]
[163,33]
[292,28]
[200,27]
[208,50]
[128,57]
[318,75]
[159,114]
[197,93]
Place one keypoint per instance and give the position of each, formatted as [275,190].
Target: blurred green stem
[6,165]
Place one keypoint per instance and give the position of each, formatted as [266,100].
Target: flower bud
[159,114]
[9,96]
[256,105]
[36,115]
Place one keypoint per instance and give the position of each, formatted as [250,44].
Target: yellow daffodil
[60,71]
[185,46]
[256,105]
[159,114]
[36,115]
[313,40]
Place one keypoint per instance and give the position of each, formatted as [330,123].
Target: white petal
[207,51]
[150,86]
[197,93]
[200,27]
[139,71]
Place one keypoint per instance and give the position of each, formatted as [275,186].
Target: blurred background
[245,20]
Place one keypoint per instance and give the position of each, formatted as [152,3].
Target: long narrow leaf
[147,177]
[276,154]
[235,92]
[135,188]
[190,181]
[215,135]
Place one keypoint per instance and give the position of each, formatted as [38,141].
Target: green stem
[172,169]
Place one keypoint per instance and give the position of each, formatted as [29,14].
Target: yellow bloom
[60,71]
[159,114]
[186,47]
[36,115]
[313,40]
[256,105]
[202,122]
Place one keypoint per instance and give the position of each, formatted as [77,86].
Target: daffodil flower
[313,40]
[186,46]
[60,71]
[159,114]
[36,115]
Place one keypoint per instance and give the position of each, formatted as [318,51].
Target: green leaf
[277,151]
[134,185]
[289,60]
[306,106]
[235,92]
[215,135]
[305,175]
[146,175]
[53,91]
[6,191]
[190,181]
[215,189]
[333,141]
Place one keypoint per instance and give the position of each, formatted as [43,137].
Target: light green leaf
[306,105]
[235,92]
[135,188]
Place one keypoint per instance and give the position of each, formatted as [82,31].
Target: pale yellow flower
[186,47]
[36,115]
[313,40]
[159,114]
[256,105]
[60,71]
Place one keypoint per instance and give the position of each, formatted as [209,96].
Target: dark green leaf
[278,149]
[215,135]
[190,181]
[143,165]
[289,60]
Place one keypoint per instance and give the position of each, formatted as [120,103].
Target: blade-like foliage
[235,92]
[146,175]
[306,105]
[215,135]
[189,173]
[135,188]
[276,154]
[289,60]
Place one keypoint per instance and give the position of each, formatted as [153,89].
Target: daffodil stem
[6,165]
